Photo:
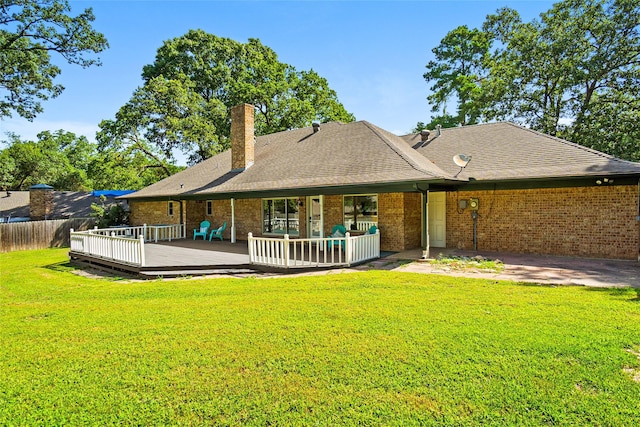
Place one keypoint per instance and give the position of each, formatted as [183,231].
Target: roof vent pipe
[424,135]
[316,127]
[438,128]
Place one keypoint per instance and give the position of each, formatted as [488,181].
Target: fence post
[286,251]
[250,241]
[142,260]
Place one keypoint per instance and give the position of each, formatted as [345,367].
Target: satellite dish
[461,160]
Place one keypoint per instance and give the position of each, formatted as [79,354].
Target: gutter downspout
[233,220]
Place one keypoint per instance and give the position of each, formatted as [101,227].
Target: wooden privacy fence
[20,236]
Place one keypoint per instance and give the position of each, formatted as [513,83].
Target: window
[209,207]
[360,212]
[280,216]
[170,208]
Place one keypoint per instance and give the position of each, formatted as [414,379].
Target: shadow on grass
[88,272]
[634,293]
[62,267]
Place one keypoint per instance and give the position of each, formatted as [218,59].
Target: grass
[468,263]
[374,348]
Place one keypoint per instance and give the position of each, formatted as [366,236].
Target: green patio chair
[202,231]
[337,231]
[217,233]
[372,230]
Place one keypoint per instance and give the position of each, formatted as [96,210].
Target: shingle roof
[506,151]
[66,204]
[338,154]
[360,153]
[14,203]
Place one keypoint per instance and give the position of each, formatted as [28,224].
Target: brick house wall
[594,222]
[399,217]
[154,213]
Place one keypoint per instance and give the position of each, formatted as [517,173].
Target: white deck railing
[360,225]
[325,252]
[123,244]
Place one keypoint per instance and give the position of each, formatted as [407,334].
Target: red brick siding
[580,221]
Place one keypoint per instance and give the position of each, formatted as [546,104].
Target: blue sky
[372,53]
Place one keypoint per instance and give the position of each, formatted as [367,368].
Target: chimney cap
[41,187]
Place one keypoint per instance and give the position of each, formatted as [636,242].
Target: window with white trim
[280,216]
[360,211]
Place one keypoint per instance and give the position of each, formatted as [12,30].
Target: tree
[30,31]
[574,73]
[58,159]
[189,90]
[457,72]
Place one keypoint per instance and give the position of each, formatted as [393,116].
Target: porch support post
[425,226]
[233,220]
[425,220]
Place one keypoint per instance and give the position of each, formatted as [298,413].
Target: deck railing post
[251,242]
[286,251]
[347,248]
[142,260]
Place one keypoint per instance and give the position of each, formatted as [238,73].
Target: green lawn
[374,348]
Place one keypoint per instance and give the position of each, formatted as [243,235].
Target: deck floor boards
[195,253]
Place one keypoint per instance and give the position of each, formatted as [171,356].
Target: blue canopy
[111,193]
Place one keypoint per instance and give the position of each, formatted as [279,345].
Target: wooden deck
[184,257]
[187,257]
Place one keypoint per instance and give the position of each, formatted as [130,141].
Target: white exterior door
[314,214]
[437,220]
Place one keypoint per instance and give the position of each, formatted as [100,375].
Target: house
[491,187]
[43,202]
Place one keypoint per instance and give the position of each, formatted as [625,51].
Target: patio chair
[372,230]
[217,233]
[337,231]
[202,231]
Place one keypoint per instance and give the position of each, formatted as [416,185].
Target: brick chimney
[242,137]
[40,202]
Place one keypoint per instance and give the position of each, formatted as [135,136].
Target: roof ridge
[397,149]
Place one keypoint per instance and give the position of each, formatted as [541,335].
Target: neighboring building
[43,202]
[512,189]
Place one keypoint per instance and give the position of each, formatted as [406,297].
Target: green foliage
[69,162]
[457,72]
[573,73]
[468,263]
[375,348]
[108,214]
[57,159]
[189,90]
[29,32]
